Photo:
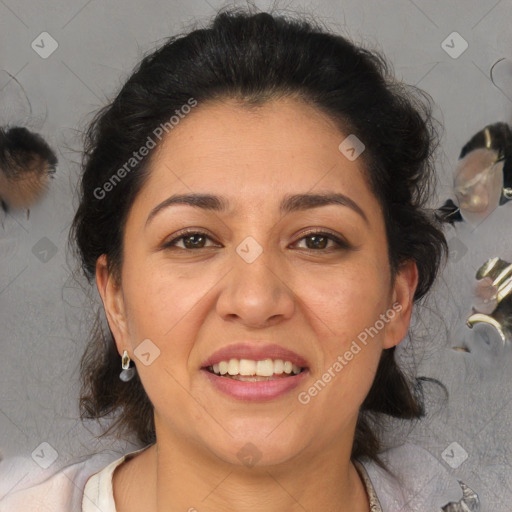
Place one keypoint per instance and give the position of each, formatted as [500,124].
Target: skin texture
[312,299]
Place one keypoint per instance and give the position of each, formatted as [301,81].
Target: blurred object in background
[469,502]
[491,321]
[27,163]
[483,176]
[497,274]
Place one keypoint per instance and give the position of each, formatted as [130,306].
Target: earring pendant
[128,372]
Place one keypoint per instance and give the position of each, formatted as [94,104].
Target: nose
[257,292]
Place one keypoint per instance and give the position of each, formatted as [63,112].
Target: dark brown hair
[254,57]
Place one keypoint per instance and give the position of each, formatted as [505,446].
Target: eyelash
[340,243]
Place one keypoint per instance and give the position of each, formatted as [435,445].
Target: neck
[178,476]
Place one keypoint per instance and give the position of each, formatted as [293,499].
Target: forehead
[230,127]
[284,146]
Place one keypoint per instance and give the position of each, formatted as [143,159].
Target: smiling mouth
[255,371]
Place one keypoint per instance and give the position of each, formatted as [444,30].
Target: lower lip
[255,391]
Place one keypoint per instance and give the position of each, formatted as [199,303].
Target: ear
[405,285]
[113,303]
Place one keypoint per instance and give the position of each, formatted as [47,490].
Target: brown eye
[191,240]
[319,241]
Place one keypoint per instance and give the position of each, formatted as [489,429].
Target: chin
[253,455]
[257,450]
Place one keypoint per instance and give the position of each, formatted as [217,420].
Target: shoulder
[24,485]
[416,480]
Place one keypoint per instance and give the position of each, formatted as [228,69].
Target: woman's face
[254,279]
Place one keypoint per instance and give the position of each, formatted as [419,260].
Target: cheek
[347,299]
[166,306]
[160,307]
[337,392]
[345,311]
[350,361]
[158,300]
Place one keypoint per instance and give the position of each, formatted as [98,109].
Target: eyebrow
[290,203]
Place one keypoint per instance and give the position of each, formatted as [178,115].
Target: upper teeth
[265,368]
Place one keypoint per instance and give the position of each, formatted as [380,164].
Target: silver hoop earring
[128,372]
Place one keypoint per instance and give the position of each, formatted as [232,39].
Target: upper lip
[254,352]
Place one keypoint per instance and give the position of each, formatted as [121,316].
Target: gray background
[44,310]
